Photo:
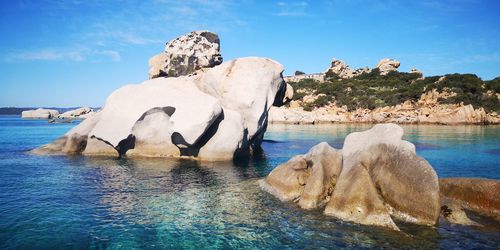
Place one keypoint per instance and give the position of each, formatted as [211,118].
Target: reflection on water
[80,202]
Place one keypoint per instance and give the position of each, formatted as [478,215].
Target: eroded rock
[187,54]
[308,179]
[216,114]
[387,65]
[376,177]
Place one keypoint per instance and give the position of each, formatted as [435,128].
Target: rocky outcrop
[342,70]
[186,54]
[308,179]
[387,65]
[376,178]
[214,114]
[481,196]
[80,113]
[427,110]
[40,114]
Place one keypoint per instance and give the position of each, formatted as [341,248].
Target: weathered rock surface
[186,54]
[380,178]
[481,196]
[80,113]
[213,115]
[39,114]
[308,179]
[387,65]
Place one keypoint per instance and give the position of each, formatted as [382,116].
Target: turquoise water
[78,202]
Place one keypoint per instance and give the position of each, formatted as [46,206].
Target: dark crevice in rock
[187,149]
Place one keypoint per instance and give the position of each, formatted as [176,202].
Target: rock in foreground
[377,177]
[481,196]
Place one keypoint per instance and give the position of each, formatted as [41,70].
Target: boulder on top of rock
[308,179]
[187,54]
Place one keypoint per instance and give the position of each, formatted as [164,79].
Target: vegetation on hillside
[372,90]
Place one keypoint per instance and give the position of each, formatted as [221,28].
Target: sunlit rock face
[376,177]
[186,54]
[39,114]
[214,114]
[308,179]
[387,65]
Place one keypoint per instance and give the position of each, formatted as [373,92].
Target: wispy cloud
[75,55]
[291,8]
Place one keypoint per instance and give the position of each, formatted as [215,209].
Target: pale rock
[387,65]
[216,114]
[80,113]
[40,113]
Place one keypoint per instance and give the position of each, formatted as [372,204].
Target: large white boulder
[186,54]
[40,113]
[214,114]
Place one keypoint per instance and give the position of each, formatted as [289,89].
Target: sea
[77,202]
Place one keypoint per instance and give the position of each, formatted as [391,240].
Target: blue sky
[76,52]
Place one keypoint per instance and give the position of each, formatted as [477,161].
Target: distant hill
[18,111]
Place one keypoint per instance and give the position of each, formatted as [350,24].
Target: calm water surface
[78,202]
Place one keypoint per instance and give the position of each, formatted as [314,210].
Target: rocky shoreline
[427,110]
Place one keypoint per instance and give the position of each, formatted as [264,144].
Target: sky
[71,53]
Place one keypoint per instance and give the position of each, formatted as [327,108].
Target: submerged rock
[187,54]
[216,114]
[376,177]
[40,113]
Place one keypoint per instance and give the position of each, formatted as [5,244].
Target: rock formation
[308,178]
[39,114]
[213,114]
[80,113]
[387,65]
[342,70]
[376,177]
[481,196]
[186,54]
